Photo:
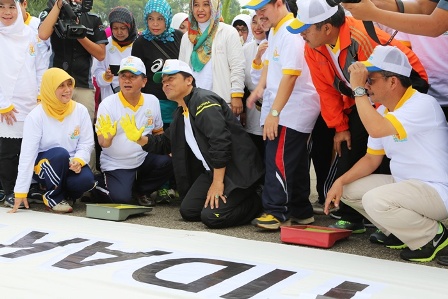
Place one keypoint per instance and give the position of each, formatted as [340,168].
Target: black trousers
[9,162]
[241,207]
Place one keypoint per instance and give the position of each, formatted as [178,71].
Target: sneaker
[146,201]
[303,221]
[428,252]
[378,237]
[9,201]
[35,194]
[442,260]
[318,209]
[367,223]
[393,242]
[62,207]
[164,196]
[336,215]
[356,228]
[267,221]
[2,195]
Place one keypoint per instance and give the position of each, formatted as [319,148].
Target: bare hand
[255,95]
[9,117]
[260,51]
[108,75]
[362,10]
[237,106]
[358,74]
[270,128]
[214,194]
[333,197]
[17,202]
[340,137]
[75,166]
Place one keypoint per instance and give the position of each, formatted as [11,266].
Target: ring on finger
[216,196]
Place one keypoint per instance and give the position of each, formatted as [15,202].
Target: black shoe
[378,237]
[428,252]
[35,194]
[146,201]
[393,242]
[2,195]
[442,260]
[336,215]
[367,223]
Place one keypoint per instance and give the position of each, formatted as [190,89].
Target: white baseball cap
[256,4]
[171,67]
[310,12]
[132,64]
[388,58]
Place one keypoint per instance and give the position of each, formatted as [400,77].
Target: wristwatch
[274,112]
[359,91]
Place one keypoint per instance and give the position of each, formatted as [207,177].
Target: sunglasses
[371,80]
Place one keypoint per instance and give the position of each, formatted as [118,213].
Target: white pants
[408,209]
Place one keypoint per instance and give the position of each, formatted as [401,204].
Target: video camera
[336,2]
[67,26]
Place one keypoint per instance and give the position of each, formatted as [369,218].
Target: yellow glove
[105,127]
[130,129]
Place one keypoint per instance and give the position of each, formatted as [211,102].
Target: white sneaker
[62,207]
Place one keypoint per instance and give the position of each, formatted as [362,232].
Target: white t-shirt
[41,133]
[420,150]
[285,55]
[123,153]
[431,51]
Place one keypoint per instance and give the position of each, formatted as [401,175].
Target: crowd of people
[226,118]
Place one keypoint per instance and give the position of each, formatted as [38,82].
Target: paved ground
[168,216]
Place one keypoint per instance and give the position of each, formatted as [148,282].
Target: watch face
[359,91]
[274,113]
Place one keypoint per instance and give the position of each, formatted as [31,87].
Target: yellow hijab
[52,106]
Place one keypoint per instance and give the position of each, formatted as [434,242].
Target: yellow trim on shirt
[126,104]
[288,17]
[398,126]
[107,80]
[120,48]
[237,95]
[376,152]
[10,108]
[291,72]
[257,66]
[20,195]
[80,161]
[201,108]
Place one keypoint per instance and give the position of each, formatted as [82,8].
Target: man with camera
[76,36]
[333,43]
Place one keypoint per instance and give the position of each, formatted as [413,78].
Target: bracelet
[400,6]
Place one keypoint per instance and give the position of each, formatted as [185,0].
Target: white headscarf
[247,19]
[14,40]
[178,19]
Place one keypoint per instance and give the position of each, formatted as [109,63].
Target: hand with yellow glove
[130,129]
[105,127]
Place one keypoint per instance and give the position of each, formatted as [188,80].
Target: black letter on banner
[258,285]
[28,243]
[75,260]
[345,290]
[148,273]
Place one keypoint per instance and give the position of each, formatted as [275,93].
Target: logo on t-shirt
[76,133]
[149,120]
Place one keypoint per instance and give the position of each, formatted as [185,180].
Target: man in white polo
[410,128]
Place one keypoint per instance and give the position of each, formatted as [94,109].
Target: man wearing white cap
[128,170]
[410,128]
[333,43]
[216,165]
[287,116]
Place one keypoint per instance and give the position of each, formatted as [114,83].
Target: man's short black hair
[405,81]
[187,75]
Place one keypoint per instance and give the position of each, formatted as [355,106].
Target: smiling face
[176,86]
[64,91]
[8,12]
[156,23]
[257,30]
[120,31]
[202,10]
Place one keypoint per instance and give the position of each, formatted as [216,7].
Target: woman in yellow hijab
[56,146]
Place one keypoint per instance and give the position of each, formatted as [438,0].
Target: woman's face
[8,12]
[64,91]
[184,26]
[120,31]
[156,23]
[257,30]
[202,10]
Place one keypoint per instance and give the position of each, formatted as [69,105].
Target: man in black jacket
[216,165]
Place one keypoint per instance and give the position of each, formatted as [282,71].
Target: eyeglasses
[242,30]
[371,80]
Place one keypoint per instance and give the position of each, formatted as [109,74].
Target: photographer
[75,55]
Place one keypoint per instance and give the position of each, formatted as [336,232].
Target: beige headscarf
[51,80]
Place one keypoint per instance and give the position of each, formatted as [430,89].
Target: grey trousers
[408,209]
